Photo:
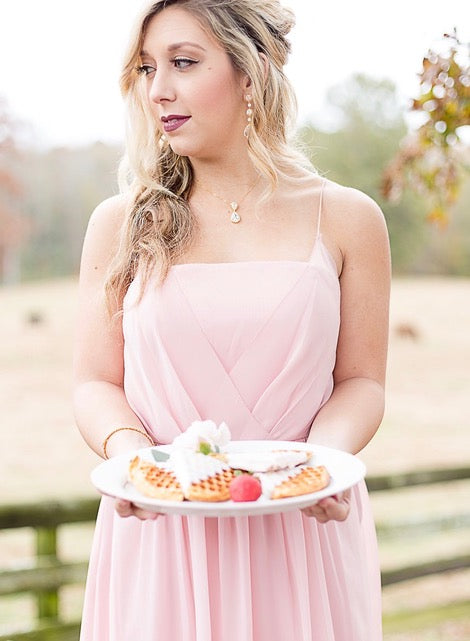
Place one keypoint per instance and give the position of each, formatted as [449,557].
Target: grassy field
[426,425]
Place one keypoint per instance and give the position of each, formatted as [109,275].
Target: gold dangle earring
[249,115]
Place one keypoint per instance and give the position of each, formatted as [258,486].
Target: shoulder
[109,214]
[349,206]
[107,219]
[353,221]
[103,233]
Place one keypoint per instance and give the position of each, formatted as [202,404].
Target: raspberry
[245,487]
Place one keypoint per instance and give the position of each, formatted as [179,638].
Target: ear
[246,80]
[246,84]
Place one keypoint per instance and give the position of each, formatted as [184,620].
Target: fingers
[126,509]
[333,508]
[330,510]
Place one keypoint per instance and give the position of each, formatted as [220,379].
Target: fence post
[46,552]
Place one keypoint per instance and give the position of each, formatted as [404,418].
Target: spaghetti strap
[320,207]
[318,234]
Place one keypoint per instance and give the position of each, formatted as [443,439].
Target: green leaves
[159,456]
[430,160]
[205,448]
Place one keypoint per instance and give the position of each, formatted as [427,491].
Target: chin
[182,148]
[198,152]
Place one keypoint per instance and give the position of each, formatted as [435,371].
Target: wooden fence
[49,573]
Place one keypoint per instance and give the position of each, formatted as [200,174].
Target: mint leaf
[205,448]
[160,456]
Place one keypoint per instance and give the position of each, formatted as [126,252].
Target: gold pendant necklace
[234,215]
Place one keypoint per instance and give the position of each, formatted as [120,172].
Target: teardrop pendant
[235,218]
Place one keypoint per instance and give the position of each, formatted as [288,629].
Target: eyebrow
[177,45]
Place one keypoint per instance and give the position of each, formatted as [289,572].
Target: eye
[183,63]
[145,70]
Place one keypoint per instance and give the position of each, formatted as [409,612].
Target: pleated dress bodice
[250,343]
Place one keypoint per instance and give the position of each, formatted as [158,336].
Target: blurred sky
[59,60]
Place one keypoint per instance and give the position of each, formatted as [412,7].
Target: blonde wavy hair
[159,224]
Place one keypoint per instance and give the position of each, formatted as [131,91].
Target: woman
[252,291]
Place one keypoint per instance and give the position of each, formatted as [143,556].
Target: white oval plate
[110,478]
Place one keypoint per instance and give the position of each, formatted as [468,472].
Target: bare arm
[99,401]
[352,415]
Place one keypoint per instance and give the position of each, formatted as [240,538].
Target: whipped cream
[270,480]
[268,461]
[192,467]
[203,432]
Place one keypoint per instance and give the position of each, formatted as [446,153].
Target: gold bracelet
[120,429]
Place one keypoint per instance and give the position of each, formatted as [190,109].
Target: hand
[126,509]
[332,508]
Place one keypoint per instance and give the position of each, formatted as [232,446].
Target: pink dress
[253,344]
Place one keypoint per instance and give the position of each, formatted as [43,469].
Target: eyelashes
[179,63]
[183,63]
[145,70]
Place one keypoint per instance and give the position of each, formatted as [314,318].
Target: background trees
[371,127]
[62,187]
[46,196]
[433,159]
[14,227]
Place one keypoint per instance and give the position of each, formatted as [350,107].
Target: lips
[172,122]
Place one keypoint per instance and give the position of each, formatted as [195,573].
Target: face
[193,89]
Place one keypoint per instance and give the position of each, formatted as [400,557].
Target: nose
[161,89]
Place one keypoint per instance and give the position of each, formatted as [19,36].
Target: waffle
[215,488]
[310,479]
[153,481]
[267,460]
[159,482]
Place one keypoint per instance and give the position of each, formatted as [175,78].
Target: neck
[228,176]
